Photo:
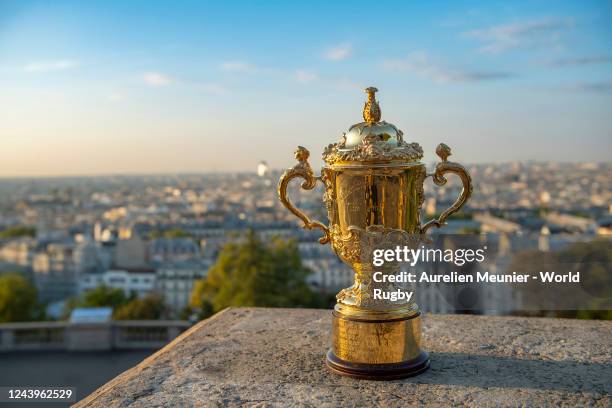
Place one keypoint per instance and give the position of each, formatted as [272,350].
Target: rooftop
[275,357]
[91,315]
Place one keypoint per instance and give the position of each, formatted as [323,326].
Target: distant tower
[263,169]
[505,246]
[430,206]
[545,198]
[98,232]
[544,239]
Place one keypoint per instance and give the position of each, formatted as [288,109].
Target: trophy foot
[392,371]
[376,345]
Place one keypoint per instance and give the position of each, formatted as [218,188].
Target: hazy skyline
[152,87]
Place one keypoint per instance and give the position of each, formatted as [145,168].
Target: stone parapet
[275,357]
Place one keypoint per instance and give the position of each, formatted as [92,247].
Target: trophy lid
[372,140]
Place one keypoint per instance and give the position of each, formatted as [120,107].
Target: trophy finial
[443,151]
[371,110]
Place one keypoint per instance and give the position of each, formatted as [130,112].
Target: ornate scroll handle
[303,170]
[438,177]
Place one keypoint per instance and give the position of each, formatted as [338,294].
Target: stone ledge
[275,357]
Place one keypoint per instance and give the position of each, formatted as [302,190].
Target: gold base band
[377,348]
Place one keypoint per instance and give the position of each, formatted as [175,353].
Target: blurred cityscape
[97,272]
[160,234]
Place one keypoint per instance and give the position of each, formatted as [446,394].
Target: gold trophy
[373,193]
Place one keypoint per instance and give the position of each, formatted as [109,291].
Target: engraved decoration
[372,150]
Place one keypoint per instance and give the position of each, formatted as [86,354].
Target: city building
[131,252]
[18,252]
[329,273]
[138,281]
[173,249]
[524,206]
[175,282]
[54,272]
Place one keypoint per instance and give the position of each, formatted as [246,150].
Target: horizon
[279,169]
[104,88]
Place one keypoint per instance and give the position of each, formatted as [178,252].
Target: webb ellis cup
[373,183]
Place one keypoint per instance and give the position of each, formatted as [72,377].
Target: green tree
[250,272]
[99,297]
[151,307]
[171,233]
[18,299]
[18,231]
[198,303]
[103,296]
[69,306]
[469,230]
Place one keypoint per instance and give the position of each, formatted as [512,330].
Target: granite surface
[261,357]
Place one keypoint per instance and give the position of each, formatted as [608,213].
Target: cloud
[422,65]
[305,76]
[45,66]
[591,60]
[521,35]
[156,79]
[339,52]
[238,66]
[592,87]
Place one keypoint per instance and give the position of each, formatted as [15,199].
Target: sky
[116,87]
